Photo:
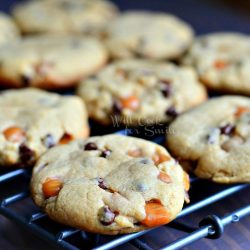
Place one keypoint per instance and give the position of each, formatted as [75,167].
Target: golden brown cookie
[213,140]
[31,121]
[110,184]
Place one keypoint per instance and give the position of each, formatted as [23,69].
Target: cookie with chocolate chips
[65,16]
[152,35]
[32,121]
[213,140]
[8,29]
[136,186]
[49,61]
[136,92]
[222,61]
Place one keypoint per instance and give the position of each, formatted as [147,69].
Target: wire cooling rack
[38,223]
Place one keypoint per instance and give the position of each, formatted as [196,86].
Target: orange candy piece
[135,153]
[159,158]
[241,110]
[164,177]
[156,214]
[14,134]
[220,64]
[186,181]
[131,102]
[66,139]
[51,187]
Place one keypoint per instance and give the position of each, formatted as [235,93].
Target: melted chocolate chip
[26,155]
[106,153]
[117,108]
[145,161]
[165,81]
[90,146]
[49,141]
[227,129]
[166,90]
[107,217]
[26,80]
[172,112]
[102,184]
[141,187]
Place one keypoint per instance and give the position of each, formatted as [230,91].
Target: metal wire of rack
[210,227]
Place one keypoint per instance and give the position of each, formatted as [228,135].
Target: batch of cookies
[142,67]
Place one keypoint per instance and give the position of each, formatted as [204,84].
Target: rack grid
[38,223]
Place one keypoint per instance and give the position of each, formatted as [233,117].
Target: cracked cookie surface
[222,61]
[50,62]
[214,139]
[149,35]
[32,120]
[135,92]
[110,184]
[64,16]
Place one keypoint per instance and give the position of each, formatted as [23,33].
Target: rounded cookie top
[110,184]
[31,121]
[149,35]
[222,61]
[8,29]
[214,139]
[50,62]
[138,91]
[64,16]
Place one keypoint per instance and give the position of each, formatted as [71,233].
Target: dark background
[203,15]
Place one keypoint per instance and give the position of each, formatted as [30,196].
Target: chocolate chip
[166,90]
[141,187]
[26,155]
[172,112]
[106,216]
[90,146]
[102,184]
[165,81]
[25,80]
[117,108]
[227,129]
[49,141]
[106,153]
[145,161]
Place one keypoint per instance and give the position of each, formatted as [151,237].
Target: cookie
[64,16]
[50,62]
[213,140]
[135,92]
[110,184]
[149,35]
[32,121]
[8,29]
[222,61]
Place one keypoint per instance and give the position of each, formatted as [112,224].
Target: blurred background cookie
[152,35]
[222,61]
[110,185]
[32,120]
[50,62]
[8,29]
[64,16]
[141,92]
[213,139]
